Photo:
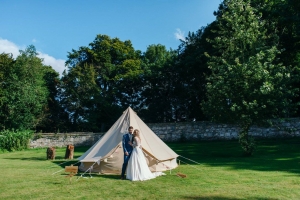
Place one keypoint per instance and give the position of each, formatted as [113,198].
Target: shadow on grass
[30,158]
[271,155]
[63,163]
[59,157]
[85,176]
[220,198]
[38,158]
[107,176]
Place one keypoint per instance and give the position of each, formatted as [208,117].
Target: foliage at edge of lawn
[12,140]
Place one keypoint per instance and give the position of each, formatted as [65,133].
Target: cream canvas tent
[106,155]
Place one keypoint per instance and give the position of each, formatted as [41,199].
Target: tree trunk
[246,141]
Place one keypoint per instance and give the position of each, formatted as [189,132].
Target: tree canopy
[100,82]
[247,83]
[242,68]
[24,92]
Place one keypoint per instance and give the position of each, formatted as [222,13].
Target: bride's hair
[136,133]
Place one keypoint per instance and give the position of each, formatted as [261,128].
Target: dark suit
[126,148]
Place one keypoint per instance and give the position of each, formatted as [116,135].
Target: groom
[127,148]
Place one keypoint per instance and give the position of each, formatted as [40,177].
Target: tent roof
[112,138]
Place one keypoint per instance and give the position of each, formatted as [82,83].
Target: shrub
[11,140]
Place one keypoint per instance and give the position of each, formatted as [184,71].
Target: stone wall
[184,131]
[63,139]
[191,131]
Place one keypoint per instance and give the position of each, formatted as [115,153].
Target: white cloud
[10,47]
[179,35]
[57,64]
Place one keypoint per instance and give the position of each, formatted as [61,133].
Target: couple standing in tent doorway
[135,163]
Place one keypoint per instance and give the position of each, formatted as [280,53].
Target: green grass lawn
[224,173]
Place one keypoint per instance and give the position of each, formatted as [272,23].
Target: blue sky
[55,27]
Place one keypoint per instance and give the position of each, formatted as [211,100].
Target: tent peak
[129,108]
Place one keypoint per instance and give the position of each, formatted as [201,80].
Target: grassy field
[223,173]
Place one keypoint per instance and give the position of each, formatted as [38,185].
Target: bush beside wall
[15,140]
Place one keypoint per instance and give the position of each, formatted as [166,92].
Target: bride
[137,169]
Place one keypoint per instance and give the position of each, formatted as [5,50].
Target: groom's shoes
[122,177]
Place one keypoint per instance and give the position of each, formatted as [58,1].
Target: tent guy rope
[190,160]
[63,169]
[89,169]
[189,165]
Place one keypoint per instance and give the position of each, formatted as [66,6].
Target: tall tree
[158,80]
[286,16]
[24,92]
[79,96]
[6,64]
[247,83]
[192,68]
[56,119]
[101,81]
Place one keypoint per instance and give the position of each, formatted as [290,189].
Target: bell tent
[106,155]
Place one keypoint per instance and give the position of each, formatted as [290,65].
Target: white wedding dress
[137,168]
